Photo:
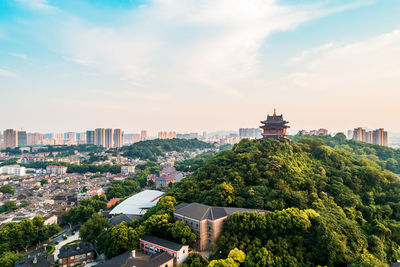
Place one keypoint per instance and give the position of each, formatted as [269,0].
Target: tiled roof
[123,218]
[201,212]
[76,249]
[162,242]
[140,260]
[112,202]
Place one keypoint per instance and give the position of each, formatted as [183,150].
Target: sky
[198,65]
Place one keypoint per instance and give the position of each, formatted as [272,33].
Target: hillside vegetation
[151,149]
[328,206]
[386,157]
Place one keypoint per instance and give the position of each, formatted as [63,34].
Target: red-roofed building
[112,202]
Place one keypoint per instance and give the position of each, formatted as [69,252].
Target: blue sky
[198,64]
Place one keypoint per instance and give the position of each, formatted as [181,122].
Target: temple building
[274,127]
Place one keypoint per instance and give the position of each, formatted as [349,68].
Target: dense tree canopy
[122,189]
[77,168]
[329,206]
[151,149]
[87,208]
[7,189]
[157,221]
[386,157]
[190,165]
[16,237]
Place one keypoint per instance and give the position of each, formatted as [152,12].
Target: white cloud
[7,73]
[170,44]
[19,55]
[37,5]
[365,65]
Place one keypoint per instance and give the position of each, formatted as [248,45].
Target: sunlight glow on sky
[198,65]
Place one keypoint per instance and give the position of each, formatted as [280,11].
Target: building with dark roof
[274,127]
[206,221]
[75,254]
[38,258]
[152,245]
[134,259]
[123,218]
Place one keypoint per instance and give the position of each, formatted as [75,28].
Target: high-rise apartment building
[166,135]
[70,138]
[249,132]
[135,138]
[90,137]
[369,137]
[359,134]
[100,137]
[81,138]
[350,134]
[143,135]
[10,138]
[58,138]
[322,131]
[378,136]
[118,138]
[22,140]
[108,138]
[171,135]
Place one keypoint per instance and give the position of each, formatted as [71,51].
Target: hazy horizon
[198,65]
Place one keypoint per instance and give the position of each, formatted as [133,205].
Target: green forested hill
[150,149]
[327,206]
[387,157]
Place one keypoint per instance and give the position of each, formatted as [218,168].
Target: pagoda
[274,127]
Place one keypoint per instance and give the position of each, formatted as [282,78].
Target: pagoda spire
[274,111]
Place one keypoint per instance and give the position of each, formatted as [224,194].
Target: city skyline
[202,65]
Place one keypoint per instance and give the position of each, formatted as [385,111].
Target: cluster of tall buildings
[250,133]
[166,135]
[110,138]
[320,131]
[378,136]
[102,137]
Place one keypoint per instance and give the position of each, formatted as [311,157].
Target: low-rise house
[151,245]
[206,221]
[38,258]
[54,169]
[75,254]
[135,259]
[127,169]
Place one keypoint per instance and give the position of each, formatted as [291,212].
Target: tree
[7,189]
[118,239]
[235,258]
[195,260]
[8,259]
[44,181]
[9,205]
[92,228]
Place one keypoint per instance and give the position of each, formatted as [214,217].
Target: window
[184,252]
